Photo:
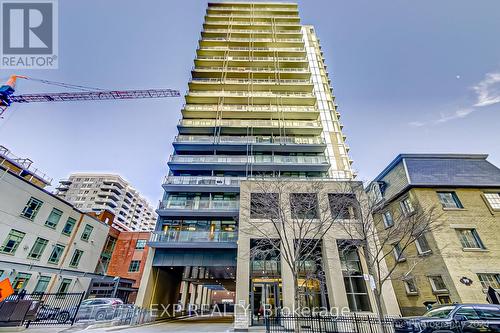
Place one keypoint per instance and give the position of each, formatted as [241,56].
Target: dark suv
[456,318]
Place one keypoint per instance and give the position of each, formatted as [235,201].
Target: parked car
[456,318]
[93,308]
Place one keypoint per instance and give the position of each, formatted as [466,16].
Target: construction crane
[87,93]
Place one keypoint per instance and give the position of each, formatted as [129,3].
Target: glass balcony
[253,39]
[252,58]
[252,31]
[249,139]
[203,180]
[237,48]
[234,93]
[251,69]
[223,159]
[253,9]
[200,204]
[174,236]
[250,123]
[246,23]
[250,108]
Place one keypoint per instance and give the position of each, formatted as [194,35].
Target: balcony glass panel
[250,159]
[194,236]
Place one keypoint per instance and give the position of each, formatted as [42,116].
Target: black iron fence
[329,324]
[40,309]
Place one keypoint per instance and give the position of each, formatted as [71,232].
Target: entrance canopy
[195,257]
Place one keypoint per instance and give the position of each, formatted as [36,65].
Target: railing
[250,139]
[252,81]
[254,16]
[24,163]
[336,324]
[235,48]
[224,8]
[202,180]
[250,31]
[251,58]
[253,69]
[254,39]
[192,204]
[236,107]
[252,23]
[232,93]
[278,159]
[194,236]
[248,123]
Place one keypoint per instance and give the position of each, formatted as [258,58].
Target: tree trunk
[376,292]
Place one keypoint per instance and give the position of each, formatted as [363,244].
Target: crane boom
[94,95]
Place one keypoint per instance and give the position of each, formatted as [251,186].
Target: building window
[304,205]
[21,281]
[75,259]
[470,239]
[68,227]
[31,208]
[493,200]
[489,280]
[86,232]
[64,286]
[398,252]
[264,205]
[38,248]
[355,284]
[56,253]
[449,200]
[422,245]
[141,244]
[343,206]
[134,266]
[437,284]
[388,220]
[42,284]
[411,286]
[53,219]
[12,241]
[407,206]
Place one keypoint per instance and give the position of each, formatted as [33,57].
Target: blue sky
[409,76]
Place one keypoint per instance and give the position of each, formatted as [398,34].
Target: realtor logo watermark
[29,34]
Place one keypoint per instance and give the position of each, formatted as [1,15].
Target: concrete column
[242,309]
[199,292]
[192,288]
[184,293]
[148,282]
[205,296]
[333,274]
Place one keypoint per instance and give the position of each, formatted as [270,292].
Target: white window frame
[455,202]
[407,288]
[384,217]
[475,235]
[433,285]
[419,247]
[398,256]
[408,208]
[493,206]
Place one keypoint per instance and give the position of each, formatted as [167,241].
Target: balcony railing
[252,81]
[172,236]
[250,139]
[251,31]
[252,69]
[249,123]
[252,58]
[203,180]
[233,22]
[234,93]
[251,108]
[244,9]
[254,39]
[254,16]
[277,159]
[201,204]
[234,48]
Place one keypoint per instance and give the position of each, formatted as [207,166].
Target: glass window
[449,200]
[304,205]
[489,280]
[488,312]
[441,312]
[64,286]
[53,219]
[468,312]
[343,205]
[264,205]
[134,266]
[12,241]
[56,253]
[38,248]
[387,217]
[31,208]
[75,259]
[141,244]
[355,284]
[42,284]
[68,227]
[437,283]
[422,245]
[21,281]
[86,232]
[493,199]
[398,252]
[469,238]
[411,286]
[407,206]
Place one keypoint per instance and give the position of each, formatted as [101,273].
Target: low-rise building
[46,244]
[459,257]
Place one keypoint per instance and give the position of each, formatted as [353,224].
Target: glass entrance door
[266,299]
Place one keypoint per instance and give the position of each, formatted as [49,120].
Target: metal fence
[329,324]
[40,309]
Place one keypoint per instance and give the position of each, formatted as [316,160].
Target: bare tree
[291,220]
[385,242]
